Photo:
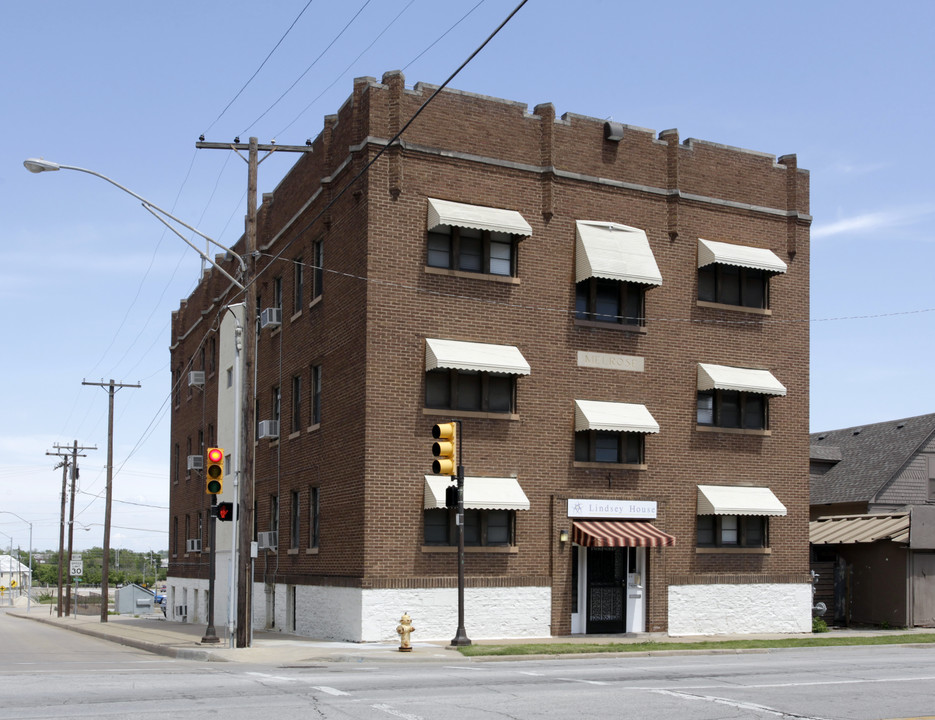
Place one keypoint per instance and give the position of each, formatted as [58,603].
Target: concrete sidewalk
[183,640]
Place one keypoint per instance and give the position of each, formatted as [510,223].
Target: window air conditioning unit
[267,540]
[196,462]
[269,429]
[196,378]
[271,317]
[193,545]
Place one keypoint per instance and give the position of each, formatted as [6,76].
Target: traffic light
[451,497]
[224,511]
[214,471]
[445,449]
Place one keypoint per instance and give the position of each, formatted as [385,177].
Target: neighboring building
[14,576]
[618,320]
[873,521]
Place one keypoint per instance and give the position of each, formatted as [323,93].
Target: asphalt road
[47,672]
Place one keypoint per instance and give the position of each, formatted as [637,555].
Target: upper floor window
[474,238]
[611,432]
[614,267]
[317,268]
[298,284]
[735,274]
[732,397]
[316,394]
[277,292]
[733,531]
[296,403]
[472,376]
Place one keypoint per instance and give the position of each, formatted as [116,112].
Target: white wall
[740,609]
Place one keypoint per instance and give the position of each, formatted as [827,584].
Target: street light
[39,165]
[29,578]
[244,414]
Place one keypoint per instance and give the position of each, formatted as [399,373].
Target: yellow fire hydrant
[403,630]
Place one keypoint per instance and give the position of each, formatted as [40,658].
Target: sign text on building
[607,361]
[611,508]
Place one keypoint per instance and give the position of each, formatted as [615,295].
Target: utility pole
[74,454]
[243,507]
[105,559]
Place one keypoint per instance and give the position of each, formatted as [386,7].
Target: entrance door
[607,574]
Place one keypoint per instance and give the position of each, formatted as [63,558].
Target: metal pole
[210,637]
[105,557]
[71,526]
[460,639]
[61,536]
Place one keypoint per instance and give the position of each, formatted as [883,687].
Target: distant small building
[13,574]
[872,528]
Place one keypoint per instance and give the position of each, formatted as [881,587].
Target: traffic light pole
[210,636]
[460,639]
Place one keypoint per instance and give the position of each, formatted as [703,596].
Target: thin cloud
[872,222]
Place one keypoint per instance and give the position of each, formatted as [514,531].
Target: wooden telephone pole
[243,508]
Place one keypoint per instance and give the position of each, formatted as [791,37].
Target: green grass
[652,646]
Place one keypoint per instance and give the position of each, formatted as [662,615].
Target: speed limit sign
[76,567]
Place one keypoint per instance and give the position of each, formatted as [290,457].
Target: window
[212,355]
[313,513]
[298,285]
[176,386]
[732,285]
[296,403]
[277,292]
[188,530]
[609,447]
[274,513]
[202,357]
[609,301]
[732,409]
[201,442]
[176,453]
[481,527]
[733,531]
[294,520]
[230,377]
[470,250]
[316,394]
[317,268]
[201,527]
[470,390]
[276,404]
[175,535]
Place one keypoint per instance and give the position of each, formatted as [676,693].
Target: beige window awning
[480,357]
[710,251]
[852,529]
[478,217]
[614,252]
[613,416]
[724,377]
[738,500]
[480,493]
[619,533]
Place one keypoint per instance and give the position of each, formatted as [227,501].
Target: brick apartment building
[618,319]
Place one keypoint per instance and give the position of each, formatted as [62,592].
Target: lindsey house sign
[611,508]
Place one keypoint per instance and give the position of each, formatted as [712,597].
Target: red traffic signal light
[214,471]
[224,511]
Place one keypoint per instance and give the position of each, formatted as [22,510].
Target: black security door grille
[607,572]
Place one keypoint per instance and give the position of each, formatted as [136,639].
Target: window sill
[618,327]
[313,428]
[296,316]
[605,465]
[275,331]
[507,279]
[733,551]
[732,431]
[293,436]
[292,551]
[497,549]
[311,551]
[443,412]
[314,302]
[733,308]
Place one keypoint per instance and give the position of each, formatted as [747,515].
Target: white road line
[330,690]
[273,678]
[524,672]
[767,686]
[463,667]
[586,682]
[738,705]
[396,713]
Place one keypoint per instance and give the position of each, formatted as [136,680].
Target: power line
[227,107]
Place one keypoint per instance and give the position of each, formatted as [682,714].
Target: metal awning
[614,252]
[478,217]
[723,377]
[619,533]
[480,493]
[738,500]
[851,529]
[710,251]
[613,416]
[458,355]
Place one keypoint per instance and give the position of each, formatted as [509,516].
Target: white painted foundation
[740,609]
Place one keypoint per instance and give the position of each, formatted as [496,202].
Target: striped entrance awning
[619,533]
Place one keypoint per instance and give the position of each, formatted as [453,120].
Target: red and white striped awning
[619,533]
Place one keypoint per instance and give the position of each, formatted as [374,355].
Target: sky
[90,279]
